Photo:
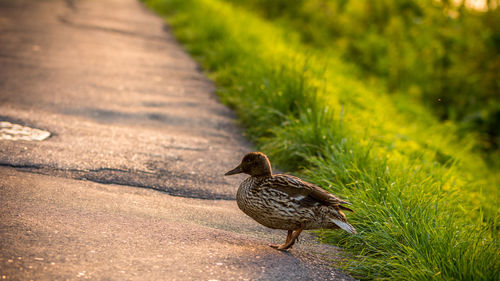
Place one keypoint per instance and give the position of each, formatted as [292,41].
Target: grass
[426,207]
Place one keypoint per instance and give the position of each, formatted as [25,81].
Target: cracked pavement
[130,184]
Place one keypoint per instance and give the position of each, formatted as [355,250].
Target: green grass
[449,64]
[426,207]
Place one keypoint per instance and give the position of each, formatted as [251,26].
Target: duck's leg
[289,242]
[288,237]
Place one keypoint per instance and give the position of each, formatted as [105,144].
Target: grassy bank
[426,207]
[440,53]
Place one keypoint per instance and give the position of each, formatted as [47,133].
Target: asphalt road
[130,184]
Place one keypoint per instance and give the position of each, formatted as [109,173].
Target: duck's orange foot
[274,245]
[282,247]
[290,240]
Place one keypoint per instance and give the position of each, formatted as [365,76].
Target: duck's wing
[300,190]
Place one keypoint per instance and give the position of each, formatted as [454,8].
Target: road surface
[130,185]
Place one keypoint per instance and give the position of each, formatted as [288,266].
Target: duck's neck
[264,174]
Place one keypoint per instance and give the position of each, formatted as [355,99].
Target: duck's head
[255,164]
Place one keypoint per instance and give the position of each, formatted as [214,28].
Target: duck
[281,201]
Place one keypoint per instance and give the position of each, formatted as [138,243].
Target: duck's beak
[234,171]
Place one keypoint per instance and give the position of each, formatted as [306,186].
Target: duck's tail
[344,225]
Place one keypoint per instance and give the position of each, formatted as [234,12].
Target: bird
[281,201]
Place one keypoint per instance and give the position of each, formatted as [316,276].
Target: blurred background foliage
[443,54]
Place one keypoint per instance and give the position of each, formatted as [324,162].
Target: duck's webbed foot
[290,240]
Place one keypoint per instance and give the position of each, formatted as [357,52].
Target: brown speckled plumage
[286,202]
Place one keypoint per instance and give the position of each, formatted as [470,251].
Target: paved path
[129,186]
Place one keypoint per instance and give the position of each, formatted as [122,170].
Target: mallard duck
[286,202]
